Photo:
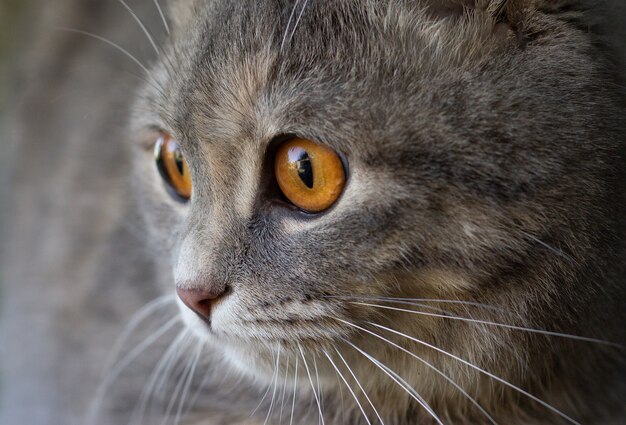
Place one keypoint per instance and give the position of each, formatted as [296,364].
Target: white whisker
[295,386]
[200,389]
[417,300]
[179,386]
[110,43]
[319,389]
[122,364]
[183,397]
[295,27]
[501,325]
[360,386]
[145,312]
[159,369]
[348,387]
[399,381]
[282,402]
[157,48]
[142,26]
[133,354]
[343,409]
[550,248]
[491,375]
[267,391]
[432,367]
[276,375]
[184,344]
[308,372]
[293,11]
[162,15]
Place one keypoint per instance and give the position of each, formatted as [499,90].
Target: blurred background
[73,263]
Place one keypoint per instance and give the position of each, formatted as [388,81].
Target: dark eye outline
[162,168]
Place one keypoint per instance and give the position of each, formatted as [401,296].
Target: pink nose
[199,300]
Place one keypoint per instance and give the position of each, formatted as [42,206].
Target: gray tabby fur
[485,152]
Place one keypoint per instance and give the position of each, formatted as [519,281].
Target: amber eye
[173,167]
[309,174]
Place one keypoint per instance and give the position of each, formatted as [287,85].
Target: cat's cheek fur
[162,214]
[477,155]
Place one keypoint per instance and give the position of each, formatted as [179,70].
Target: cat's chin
[246,357]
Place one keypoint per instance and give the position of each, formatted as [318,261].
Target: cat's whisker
[110,43]
[152,82]
[394,301]
[295,27]
[360,386]
[308,372]
[156,46]
[267,391]
[183,346]
[154,86]
[183,398]
[295,386]
[276,375]
[180,385]
[142,314]
[340,387]
[431,366]
[399,381]
[319,389]
[159,369]
[140,348]
[348,387]
[424,306]
[159,50]
[163,19]
[549,247]
[112,375]
[489,374]
[293,12]
[163,378]
[282,402]
[416,300]
[141,25]
[201,388]
[502,325]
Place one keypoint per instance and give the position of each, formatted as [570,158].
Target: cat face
[473,142]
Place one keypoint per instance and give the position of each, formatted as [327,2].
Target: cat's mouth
[229,321]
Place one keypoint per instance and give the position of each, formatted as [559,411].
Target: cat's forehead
[241,69]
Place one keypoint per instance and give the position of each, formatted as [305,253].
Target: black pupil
[305,169]
[178,157]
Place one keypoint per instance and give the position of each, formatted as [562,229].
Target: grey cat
[398,212]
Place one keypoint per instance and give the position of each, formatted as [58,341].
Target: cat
[460,259]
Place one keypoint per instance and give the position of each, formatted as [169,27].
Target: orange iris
[173,167]
[309,174]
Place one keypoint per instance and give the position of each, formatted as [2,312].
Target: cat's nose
[200,300]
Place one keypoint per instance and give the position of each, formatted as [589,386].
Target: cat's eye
[173,167]
[310,175]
